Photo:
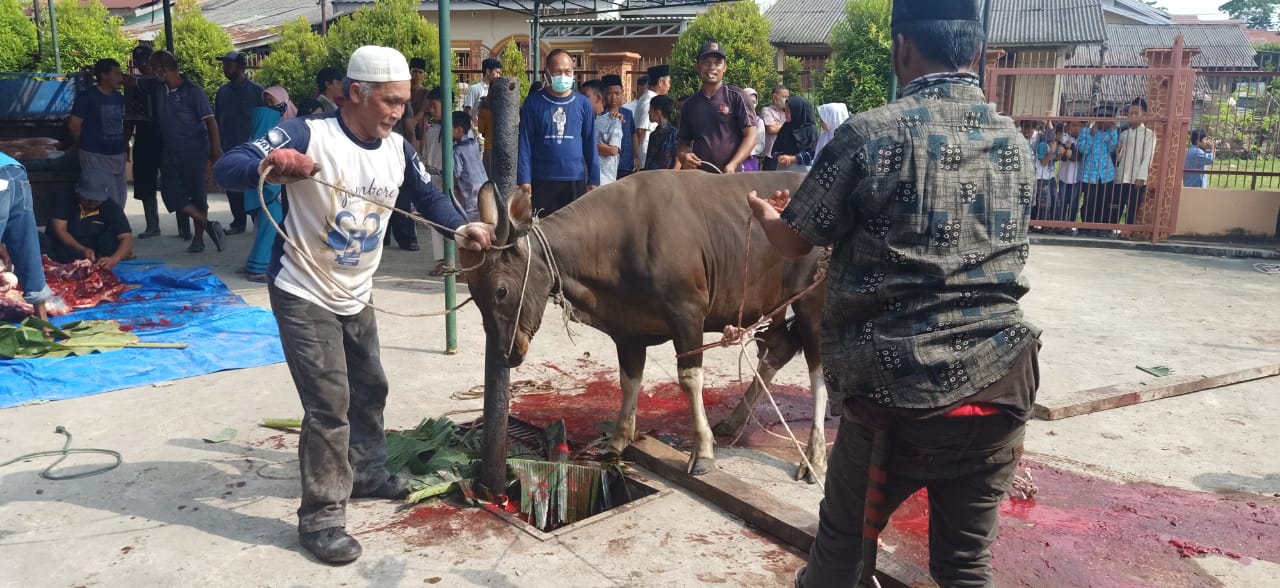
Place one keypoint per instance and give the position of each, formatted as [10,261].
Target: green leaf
[282,423]
[222,436]
[742,32]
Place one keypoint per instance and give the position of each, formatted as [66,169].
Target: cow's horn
[493,210]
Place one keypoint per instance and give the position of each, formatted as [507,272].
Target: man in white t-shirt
[492,69]
[320,289]
[1134,152]
[774,116]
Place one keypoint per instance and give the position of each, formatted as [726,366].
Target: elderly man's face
[384,107]
[711,69]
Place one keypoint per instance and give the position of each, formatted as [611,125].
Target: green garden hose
[64,452]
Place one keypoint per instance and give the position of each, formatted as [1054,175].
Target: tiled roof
[251,23]
[1014,23]
[1221,46]
[803,22]
[1054,23]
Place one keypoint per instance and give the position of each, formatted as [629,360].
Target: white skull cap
[372,63]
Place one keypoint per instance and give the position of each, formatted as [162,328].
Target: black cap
[711,48]
[611,80]
[418,63]
[658,72]
[905,11]
[490,64]
[235,56]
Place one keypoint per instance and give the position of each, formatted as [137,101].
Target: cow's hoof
[810,476]
[725,429]
[701,465]
[611,456]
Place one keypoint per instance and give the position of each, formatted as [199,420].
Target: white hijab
[833,115]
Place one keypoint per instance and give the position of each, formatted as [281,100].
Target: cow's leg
[808,326]
[777,346]
[703,458]
[631,357]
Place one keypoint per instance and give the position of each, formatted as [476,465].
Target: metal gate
[1089,169]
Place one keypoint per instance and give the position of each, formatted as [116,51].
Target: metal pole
[535,43]
[324,19]
[53,26]
[504,103]
[446,173]
[168,27]
[35,15]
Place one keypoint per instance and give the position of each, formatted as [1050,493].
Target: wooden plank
[793,526]
[1109,397]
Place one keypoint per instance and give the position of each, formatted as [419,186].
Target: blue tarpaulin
[170,305]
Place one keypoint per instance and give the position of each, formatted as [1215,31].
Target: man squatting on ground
[330,340]
[926,201]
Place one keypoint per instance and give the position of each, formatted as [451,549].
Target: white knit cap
[372,63]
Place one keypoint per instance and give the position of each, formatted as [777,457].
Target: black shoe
[217,234]
[393,488]
[149,233]
[411,246]
[185,236]
[332,545]
[235,229]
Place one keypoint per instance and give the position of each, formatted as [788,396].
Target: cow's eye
[502,293]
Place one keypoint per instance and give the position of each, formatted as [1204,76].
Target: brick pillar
[1169,100]
[620,63]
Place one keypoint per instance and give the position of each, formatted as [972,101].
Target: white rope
[800,447]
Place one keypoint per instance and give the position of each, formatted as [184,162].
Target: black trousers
[336,366]
[238,216]
[550,196]
[146,182]
[1128,202]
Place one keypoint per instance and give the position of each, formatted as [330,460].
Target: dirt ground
[1123,493]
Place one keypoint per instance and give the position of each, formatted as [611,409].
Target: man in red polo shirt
[717,126]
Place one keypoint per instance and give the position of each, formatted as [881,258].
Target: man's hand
[42,313]
[215,154]
[6,263]
[527,188]
[108,263]
[475,236]
[768,209]
[288,166]
[688,160]
[88,254]
[786,160]
[590,187]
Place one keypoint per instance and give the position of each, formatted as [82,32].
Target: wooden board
[793,526]
[1109,397]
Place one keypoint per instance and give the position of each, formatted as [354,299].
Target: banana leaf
[28,339]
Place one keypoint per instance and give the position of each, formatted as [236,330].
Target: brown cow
[653,258]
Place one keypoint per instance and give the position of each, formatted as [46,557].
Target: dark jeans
[550,196]
[1128,203]
[1046,195]
[238,216]
[964,462]
[146,183]
[1069,201]
[336,366]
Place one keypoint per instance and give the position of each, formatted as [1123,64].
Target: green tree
[390,23]
[1258,14]
[85,34]
[792,75]
[295,59]
[197,43]
[18,43]
[514,66]
[859,73]
[741,31]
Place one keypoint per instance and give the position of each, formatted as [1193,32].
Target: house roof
[251,23]
[1014,23]
[1222,46]
[125,4]
[1040,23]
[803,22]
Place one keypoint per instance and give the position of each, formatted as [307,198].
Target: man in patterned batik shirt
[925,202]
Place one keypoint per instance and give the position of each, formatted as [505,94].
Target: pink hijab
[282,95]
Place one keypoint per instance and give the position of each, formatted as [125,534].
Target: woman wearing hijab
[794,148]
[276,109]
[832,116]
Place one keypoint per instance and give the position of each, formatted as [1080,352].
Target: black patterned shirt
[926,202]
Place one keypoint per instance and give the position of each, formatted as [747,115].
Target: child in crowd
[664,140]
[1068,201]
[468,166]
[1199,156]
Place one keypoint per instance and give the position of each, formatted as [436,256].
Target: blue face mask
[561,83]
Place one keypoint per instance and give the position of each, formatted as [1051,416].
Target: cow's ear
[520,208]
[493,211]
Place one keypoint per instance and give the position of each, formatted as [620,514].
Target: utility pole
[168,27]
[53,26]
[446,174]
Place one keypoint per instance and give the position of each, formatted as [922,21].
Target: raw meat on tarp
[76,285]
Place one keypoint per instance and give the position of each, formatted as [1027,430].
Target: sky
[1207,9]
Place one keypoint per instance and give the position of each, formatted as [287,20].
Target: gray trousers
[112,165]
[964,462]
[336,366]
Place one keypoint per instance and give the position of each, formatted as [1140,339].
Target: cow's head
[499,286]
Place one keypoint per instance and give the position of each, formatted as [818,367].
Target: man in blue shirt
[19,237]
[557,160]
[97,127]
[233,108]
[1199,156]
